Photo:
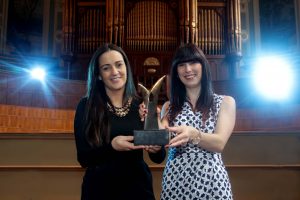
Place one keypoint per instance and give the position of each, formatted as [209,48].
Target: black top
[112,174]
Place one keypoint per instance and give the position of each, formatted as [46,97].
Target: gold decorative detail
[151,70]
[151,61]
[120,111]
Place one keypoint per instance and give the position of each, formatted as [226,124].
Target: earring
[99,77]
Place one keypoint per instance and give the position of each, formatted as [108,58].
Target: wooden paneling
[261,165]
[20,89]
[251,183]
[284,117]
[21,119]
[264,148]
[30,106]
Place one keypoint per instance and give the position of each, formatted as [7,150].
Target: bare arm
[211,142]
[163,115]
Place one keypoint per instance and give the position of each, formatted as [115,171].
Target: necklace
[120,111]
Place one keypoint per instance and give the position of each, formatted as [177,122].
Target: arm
[164,109]
[211,142]
[225,124]
[86,155]
[91,156]
[163,115]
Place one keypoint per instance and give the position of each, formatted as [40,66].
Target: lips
[189,76]
[115,78]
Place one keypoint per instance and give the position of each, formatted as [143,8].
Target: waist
[193,152]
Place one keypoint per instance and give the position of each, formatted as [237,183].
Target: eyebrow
[122,61]
[101,66]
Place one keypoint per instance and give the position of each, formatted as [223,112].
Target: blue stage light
[38,73]
[273,78]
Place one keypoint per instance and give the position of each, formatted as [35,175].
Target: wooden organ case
[149,31]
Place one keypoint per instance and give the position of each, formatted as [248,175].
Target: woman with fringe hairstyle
[201,123]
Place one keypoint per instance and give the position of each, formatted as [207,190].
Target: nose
[114,70]
[187,67]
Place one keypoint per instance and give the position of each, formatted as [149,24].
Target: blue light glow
[273,78]
[38,73]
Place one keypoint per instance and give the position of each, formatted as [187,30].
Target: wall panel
[261,165]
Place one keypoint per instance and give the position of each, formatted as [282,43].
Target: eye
[105,68]
[120,64]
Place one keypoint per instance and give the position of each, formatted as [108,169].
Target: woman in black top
[103,126]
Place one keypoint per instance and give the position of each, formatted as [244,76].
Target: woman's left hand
[152,148]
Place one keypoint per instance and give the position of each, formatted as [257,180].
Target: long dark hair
[97,125]
[187,53]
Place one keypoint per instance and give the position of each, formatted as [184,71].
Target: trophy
[151,135]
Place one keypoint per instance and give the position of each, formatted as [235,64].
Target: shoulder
[224,101]
[80,110]
[81,104]
[228,102]
[166,105]
[136,101]
[224,98]
[82,101]
[165,108]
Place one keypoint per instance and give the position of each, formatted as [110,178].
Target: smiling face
[190,74]
[112,71]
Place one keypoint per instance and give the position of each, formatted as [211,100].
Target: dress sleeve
[86,154]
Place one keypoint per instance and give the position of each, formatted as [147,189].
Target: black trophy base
[151,137]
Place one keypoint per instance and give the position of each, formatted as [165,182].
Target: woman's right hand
[124,143]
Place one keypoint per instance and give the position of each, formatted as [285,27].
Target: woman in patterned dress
[201,123]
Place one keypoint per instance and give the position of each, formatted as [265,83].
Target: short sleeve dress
[192,172]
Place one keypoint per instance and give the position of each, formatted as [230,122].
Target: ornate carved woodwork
[90,27]
[211,28]
[153,28]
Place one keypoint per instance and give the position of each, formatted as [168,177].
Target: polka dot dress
[192,172]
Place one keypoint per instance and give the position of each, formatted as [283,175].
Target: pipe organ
[153,28]
[211,30]
[91,28]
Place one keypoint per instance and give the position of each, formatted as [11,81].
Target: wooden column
[68,33]
[234,47]
[182,20]
[3,24]
[109,20]
[188,21]
[193,21]
[121,23]
[115,21]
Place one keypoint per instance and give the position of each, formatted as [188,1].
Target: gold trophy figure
[151,135]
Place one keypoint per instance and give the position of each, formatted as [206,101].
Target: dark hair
[97,126]
[187,53]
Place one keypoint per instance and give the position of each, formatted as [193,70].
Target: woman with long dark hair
[201,123]
[104,122]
